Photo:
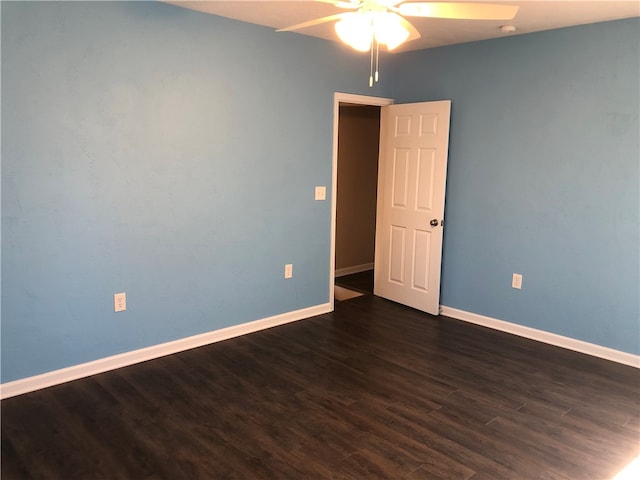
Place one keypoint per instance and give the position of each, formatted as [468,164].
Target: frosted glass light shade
[356,31]
[389,30]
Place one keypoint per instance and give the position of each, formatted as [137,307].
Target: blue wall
[543,177]
[165,153]
[172,155]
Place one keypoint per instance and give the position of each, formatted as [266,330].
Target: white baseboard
[545,337]
[341,272]
[49,379]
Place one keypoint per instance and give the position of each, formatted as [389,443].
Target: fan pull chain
[371,66]
[373,77]
[377,58]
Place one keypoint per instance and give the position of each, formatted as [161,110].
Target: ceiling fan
[381,22]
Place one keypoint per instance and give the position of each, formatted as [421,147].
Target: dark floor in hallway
[360,282]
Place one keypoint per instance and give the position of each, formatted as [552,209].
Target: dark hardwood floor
[373,391]
[360,282]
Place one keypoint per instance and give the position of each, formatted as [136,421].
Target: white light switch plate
[321,193]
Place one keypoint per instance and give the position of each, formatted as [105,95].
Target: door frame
[339,98]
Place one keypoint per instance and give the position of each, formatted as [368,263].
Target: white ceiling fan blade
[344,3]
[352,4]
[272,1]
[413,32]
[461,11]
[311,23]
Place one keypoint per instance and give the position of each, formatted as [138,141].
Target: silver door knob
[434,222]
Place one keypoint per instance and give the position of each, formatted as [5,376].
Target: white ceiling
[532,16]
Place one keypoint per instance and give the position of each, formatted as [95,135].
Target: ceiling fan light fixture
[356,31]
[381,22]
[389,31]
[361,28]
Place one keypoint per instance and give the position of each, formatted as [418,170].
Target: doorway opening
[355,179]
[409,214]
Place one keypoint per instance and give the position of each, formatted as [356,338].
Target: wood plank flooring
[360,282]
[374,390]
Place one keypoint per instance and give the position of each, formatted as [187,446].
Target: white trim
[544,337]
[338,98]
[75,372]
[341,272]
[56,377]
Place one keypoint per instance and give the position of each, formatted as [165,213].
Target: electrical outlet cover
[119,302]
[516,281]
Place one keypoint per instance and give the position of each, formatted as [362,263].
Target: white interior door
[414,142]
